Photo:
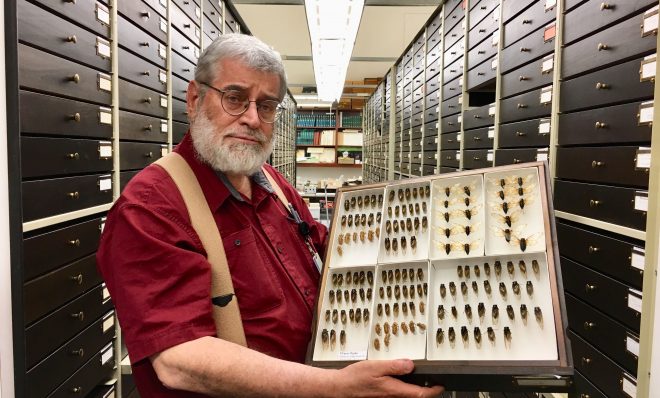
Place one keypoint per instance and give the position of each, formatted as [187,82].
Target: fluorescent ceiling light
[333,26]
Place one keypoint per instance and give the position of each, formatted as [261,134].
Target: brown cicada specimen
[439,336]
[523,311]
[515,286]
[441,312]
[530,287]
[481,310]
[510,312]
[487,287]
[325,338]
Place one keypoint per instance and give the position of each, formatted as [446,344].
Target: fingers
[375,377]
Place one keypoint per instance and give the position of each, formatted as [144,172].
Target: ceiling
[386,28]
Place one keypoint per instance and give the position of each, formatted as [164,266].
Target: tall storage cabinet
[95,93]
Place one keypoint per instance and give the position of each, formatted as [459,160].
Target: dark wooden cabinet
[606,165]
[45,157]
[533,18]
[135,98]
[142,72]
[141,43]
[151,20]
[529,48]
[479,117]
[525,78]
[481,138]
[528,133]
[477,159]
[136,127]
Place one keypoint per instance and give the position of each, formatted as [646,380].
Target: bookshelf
[324,137]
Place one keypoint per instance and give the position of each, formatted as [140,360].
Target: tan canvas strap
[228,323]
[277,189]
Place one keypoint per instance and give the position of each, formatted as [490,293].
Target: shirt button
[279,249]
[307,292]
[237,242]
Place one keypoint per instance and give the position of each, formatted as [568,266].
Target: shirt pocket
[255,282]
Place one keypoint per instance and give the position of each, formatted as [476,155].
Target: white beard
[238,158]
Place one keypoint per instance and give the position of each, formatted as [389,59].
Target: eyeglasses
[236,102]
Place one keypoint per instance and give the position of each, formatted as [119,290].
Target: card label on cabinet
[102,225]
[544,126]
[635,300]
[495,40]
[163,3]
[493,63]
[108,322]
[197,33]
[548,64]
[647,68]
[436,140]
[106,293]
[550,4]
[103,47]
[459,119]
[460,99]
[549,32]
[105,149]
[546,95]
[650,24]
[491,132]
[105,115]
[629,385]
[641,200]
[105,183]
[632,345]
[460,82]
[458,137]
[198,12]
[435,170]
[645,114]
[107,354]
[542,155]
[643,158]
[163,101]
[163,126]
[104,82]
[102,14]
[162,51]
[637,258]
[163,151]
[196,52]
[458,155]
[489,156]
[491,111]
[163,25]
[162,76]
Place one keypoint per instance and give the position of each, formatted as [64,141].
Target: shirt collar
[258,178]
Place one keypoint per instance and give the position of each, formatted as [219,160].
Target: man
[156,270]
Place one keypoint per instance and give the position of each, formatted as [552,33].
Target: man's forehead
[238,74]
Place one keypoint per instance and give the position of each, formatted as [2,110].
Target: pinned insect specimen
[370,277]
[404,327]
[502,289]
[507,233]
[411,274]
[491,333]
[421,326]
[411,306]
[387,244]
[452,288]
[422,307]
[335,316]
[395,226]
[510,268]
[358,277]
[389,211]
[467,271]
[389,291]
[353,295]
[387,309]
[397,292]
[342,338]
[395,328]
[416,223]
[538,314]
[447,191]
[403,243]
[477,334]
[377,344]
[347,238]
[331,296]
[396,210]
[373,199]
[475,287]
[379,217]
[370,219]
[358,315]
[377,329]
[441,312]
[535,266]
[353,200]
[386,328]
[359,201]
[464,288]
[530,287]
[451,334]
[379,309]
[443,290]
[523,311]
[362,295]
[347,205]
[498,268]
[410,208]
[370,235]
[522,266]
[427,191]
[414,193]
[465,246]
[413,242]
[404,308]
[495,312]
[420,292]
[390,276]
[411,290]
[523,243]
[439,336]
[467,213]
[515,286]
[477,271]
[487,269]
[404,289]
[468,311]
[520,181]
[363,236]
[346,295]
[454,312]
[383,275]
[509,312]
[426,288]
[369,294]
[508,219]
[447,247]
[507,333]
[409,224]
[464,333]
[327,315]
[416,208]
[355,236]
[404,210]
[395,309]
[391,195]
[381,292]
[400,194]
[343,316]
[367,200]
[481,309]
[407,193]
[425,222]
[325,338]
[487,287]
[411,326]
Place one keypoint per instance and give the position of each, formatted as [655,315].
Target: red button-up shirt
[157,274]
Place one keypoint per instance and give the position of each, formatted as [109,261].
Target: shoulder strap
[228,323]
[276,188]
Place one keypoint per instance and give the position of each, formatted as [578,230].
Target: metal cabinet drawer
[210,29]
[515,156]
[445,170]
[434,37]
[433,66]
[476,159]
[190,8]
[449,158]
[47,292]
[407,90]
[455,16]
[47,251]
[141,43]
[428,170]
[484,29]
[415,160]
[605,254]
[185,25]
[610,204]
[449,124]
[531,47]
[51,372]
[91,14]
[47,157]
[450,141]
[621,41]
[64,195]
[478,117]
[48,115]
[511,8]
[524,106]
[416,145]
[597,368]
[179,111]
[213,9]
[481,53]
[430,142]
[145,17]
[62,37]
[140,99]
[454,52]
[529,133]
[610,125]
[431,115]
[453,71]
[63,324]
[591,16]
[179,88]
[533,18]
[525,78]
[430,157]
[614,84]
[601,291]
[45,72]
[418,44]
[452,88]
[431,128]
[87,377]
[451,106]
[416,118]
[435,23]
[452,36]
[230,21]
[607,165]
[137,70]
[582,388]
[432,99]
[477,139]
[184,46]
[482,8]
[138,155]
[482,75]
[133,126]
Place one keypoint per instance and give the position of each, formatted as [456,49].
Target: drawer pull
[79,316]
[73,156]
[76,390]
[602,47]
[75,242]
[482,30]
[147,100]
[476,158]
[145,44]
[593,249]
[524,50]
[521,133]
[477,117]
[74,195]
[596,163]
[145,14]
[450,124]
[516,161]
[595,203]
[480,52]
[600,125]
[149,155]
[602,86]
[585,396]
[148,127]
[450,140]
[448,157]
[586,361]
[75,117]
[526,21]
[70,1]
[185,47]
[521,106]
[72,39]
[452,71]
[78,279]
[186,25]
[589,325]
[589,288]
[605,6]
[79,352]
[480,73]
[523,78]
[146,73]
[477,138]
[75,78]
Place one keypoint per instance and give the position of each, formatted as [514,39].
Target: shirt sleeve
[158,278]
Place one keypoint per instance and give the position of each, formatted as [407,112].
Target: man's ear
[192,99]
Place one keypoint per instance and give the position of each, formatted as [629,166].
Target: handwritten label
[629,386]
[105,183]
[105,149]
[548,64]
[491,132]
[637,258]
[635,300]
[650,24]
[632,345]
[641,201]
[546,95]
[107,354]
[105,115]
[104,82]
[643,158]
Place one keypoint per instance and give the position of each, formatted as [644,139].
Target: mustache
[255,134]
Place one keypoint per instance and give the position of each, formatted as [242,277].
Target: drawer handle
[477,117]
[477,138]
[516,161]
[76,390]
[476,158]
[602,86]
[524,50]
[450,123]
[586,361]
[146,73]
[520,133]
[481,52]
[75,242]
[602,47]
[452,71]
[185,47]
[186,70]
[79,352]
[75,78]
[585,396]
[73,156]
[448,157]
[589,325]
[186,25]
[480,73]
[451,106]
[145,44]
[78,279]
[74,195]
[145,14]
[149,155]
[589,288]
[450,140]
[75,117]
[523,78]
[72,39]
[79,316]
[147,100]
[600,125]
[605,6]
[595,203]
[148,127]
[453,53]
[522,106]
[482,30]
[526,21]
[593,249]
[596,163]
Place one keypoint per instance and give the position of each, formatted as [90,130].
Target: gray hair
[253,52]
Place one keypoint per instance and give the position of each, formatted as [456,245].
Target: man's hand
[374,379]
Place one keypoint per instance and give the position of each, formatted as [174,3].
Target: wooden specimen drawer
[450,124]
[450,158]
[418,44]
[583,388]
[531,47]
[454,17]
[454,52]
[526,106]
[62,37]
[133,126]
[179,111]
[617,124]
[210,29]
[431,128]
[430,142]
[433,39]
[431,115]
[64,195]
[483,52]
[141,43]
[529,133]
[479,117]
[435,23]
[91,14]
[525,78]
[452,89]
[137,70]
[451,106]
[49,115]
[481,138]
[477,158]
[619,42]
[533,18]
[179,88]
[184,46]
[47,157]
[453,71]
[191,9]
[430,157]
[151,20]
[617,83]
[606,165]
[511,8]
[45,72]
[450,141]
[213,9]
[428,170]
[602,332]
[516,156]
[433,68]
[610,204]
[184,24]
[444,170]
[484,30]
[482,75]
[482,9]
[141,99]
[592,15]
[432,100]
[97,369]
[138,155]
